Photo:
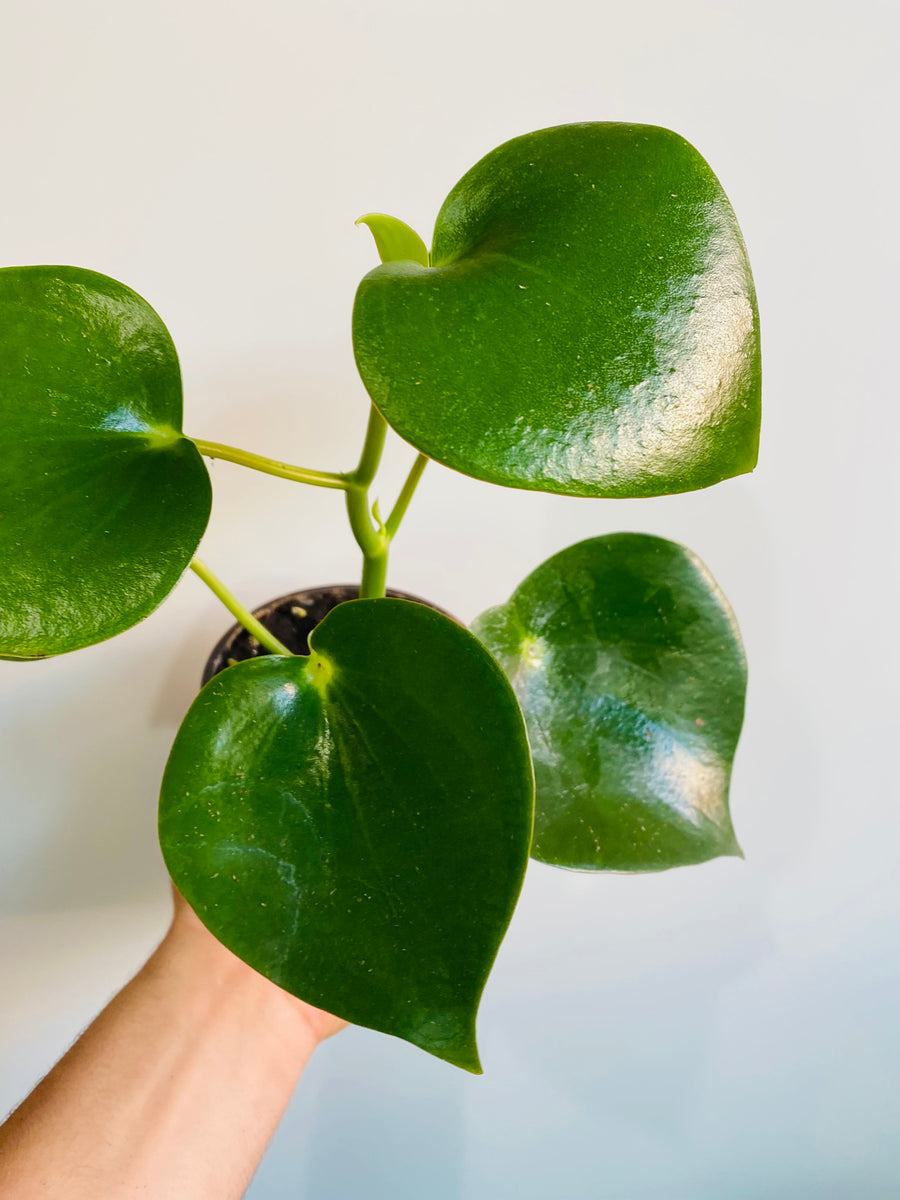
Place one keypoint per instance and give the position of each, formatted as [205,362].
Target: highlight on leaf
[103,500]
[628,664]
[588,324]
[355,825]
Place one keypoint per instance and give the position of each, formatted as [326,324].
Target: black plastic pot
[291,619]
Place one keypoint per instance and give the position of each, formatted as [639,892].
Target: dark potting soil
[291,619]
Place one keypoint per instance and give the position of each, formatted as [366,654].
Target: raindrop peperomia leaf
[102,499]
[356,824]
[629,668]
[588,324]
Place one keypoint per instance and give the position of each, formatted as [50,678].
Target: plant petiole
[392,524]
[371,451]
[271,466]
[234,606]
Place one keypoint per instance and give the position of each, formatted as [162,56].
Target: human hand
[187,927]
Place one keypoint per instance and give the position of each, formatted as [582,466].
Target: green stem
[372,540]
[371,451]
[374,576]
[395,242]
[406,494]
[234,606]
[271,466]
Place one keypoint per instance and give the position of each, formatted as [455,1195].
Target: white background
[726,1031]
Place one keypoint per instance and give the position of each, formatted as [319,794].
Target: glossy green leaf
[102,500]
[356,824]
[588,324]
[629,667]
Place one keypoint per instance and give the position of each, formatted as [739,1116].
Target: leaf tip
[448,1034]
[465,1057]
[735,850]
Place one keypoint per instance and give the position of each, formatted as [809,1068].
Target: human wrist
[218,971]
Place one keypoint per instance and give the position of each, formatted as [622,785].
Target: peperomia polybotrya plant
[355,823]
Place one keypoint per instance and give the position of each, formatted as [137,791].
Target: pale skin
[176,1088]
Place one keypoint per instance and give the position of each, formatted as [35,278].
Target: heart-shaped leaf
[356,824]
[102,499]
[588,324]
[629,667]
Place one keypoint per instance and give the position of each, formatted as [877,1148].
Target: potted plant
[353,814]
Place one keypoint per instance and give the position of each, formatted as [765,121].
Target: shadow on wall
[84,765]
[374,1118]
